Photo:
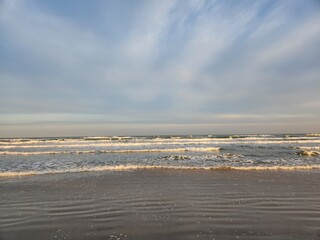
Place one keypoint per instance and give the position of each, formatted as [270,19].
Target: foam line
[204,149]
[155,167]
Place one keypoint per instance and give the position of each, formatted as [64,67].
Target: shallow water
[162,204]
[242,152]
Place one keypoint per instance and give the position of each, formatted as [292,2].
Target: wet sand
[162,204]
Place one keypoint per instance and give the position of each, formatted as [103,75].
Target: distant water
[33,156]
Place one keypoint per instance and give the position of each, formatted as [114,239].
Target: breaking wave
[310,148]
[309,153]
[157,167]
[114,139]
[205,149]
[206,152]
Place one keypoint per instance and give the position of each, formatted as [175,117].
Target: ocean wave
[108,144]
[224,156]
[189,149]
[157,167]
[313,135]
[309,153]
[145,143]
[36,141]
[314,148]
[158,138]
[113,138]
[179,157]
[21,141]
[229,155]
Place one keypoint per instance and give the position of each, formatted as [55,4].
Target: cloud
[163,62]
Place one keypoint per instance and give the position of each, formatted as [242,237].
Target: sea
[53,155]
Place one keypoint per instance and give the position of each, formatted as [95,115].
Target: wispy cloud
[163,62]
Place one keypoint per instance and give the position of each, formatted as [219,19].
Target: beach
[162,204]
[159,120]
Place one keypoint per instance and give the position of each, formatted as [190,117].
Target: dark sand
[162,204]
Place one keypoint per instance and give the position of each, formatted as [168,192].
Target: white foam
[73,143]
[313,148]
[314,134]
[19,174]
[229,155]
[107,144]
[309,153]
[189,149]
[155,167]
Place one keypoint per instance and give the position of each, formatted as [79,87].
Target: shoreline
[162,204]
[124,168]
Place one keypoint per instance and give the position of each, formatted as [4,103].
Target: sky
[131,67]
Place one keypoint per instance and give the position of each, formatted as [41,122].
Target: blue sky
[159,67]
